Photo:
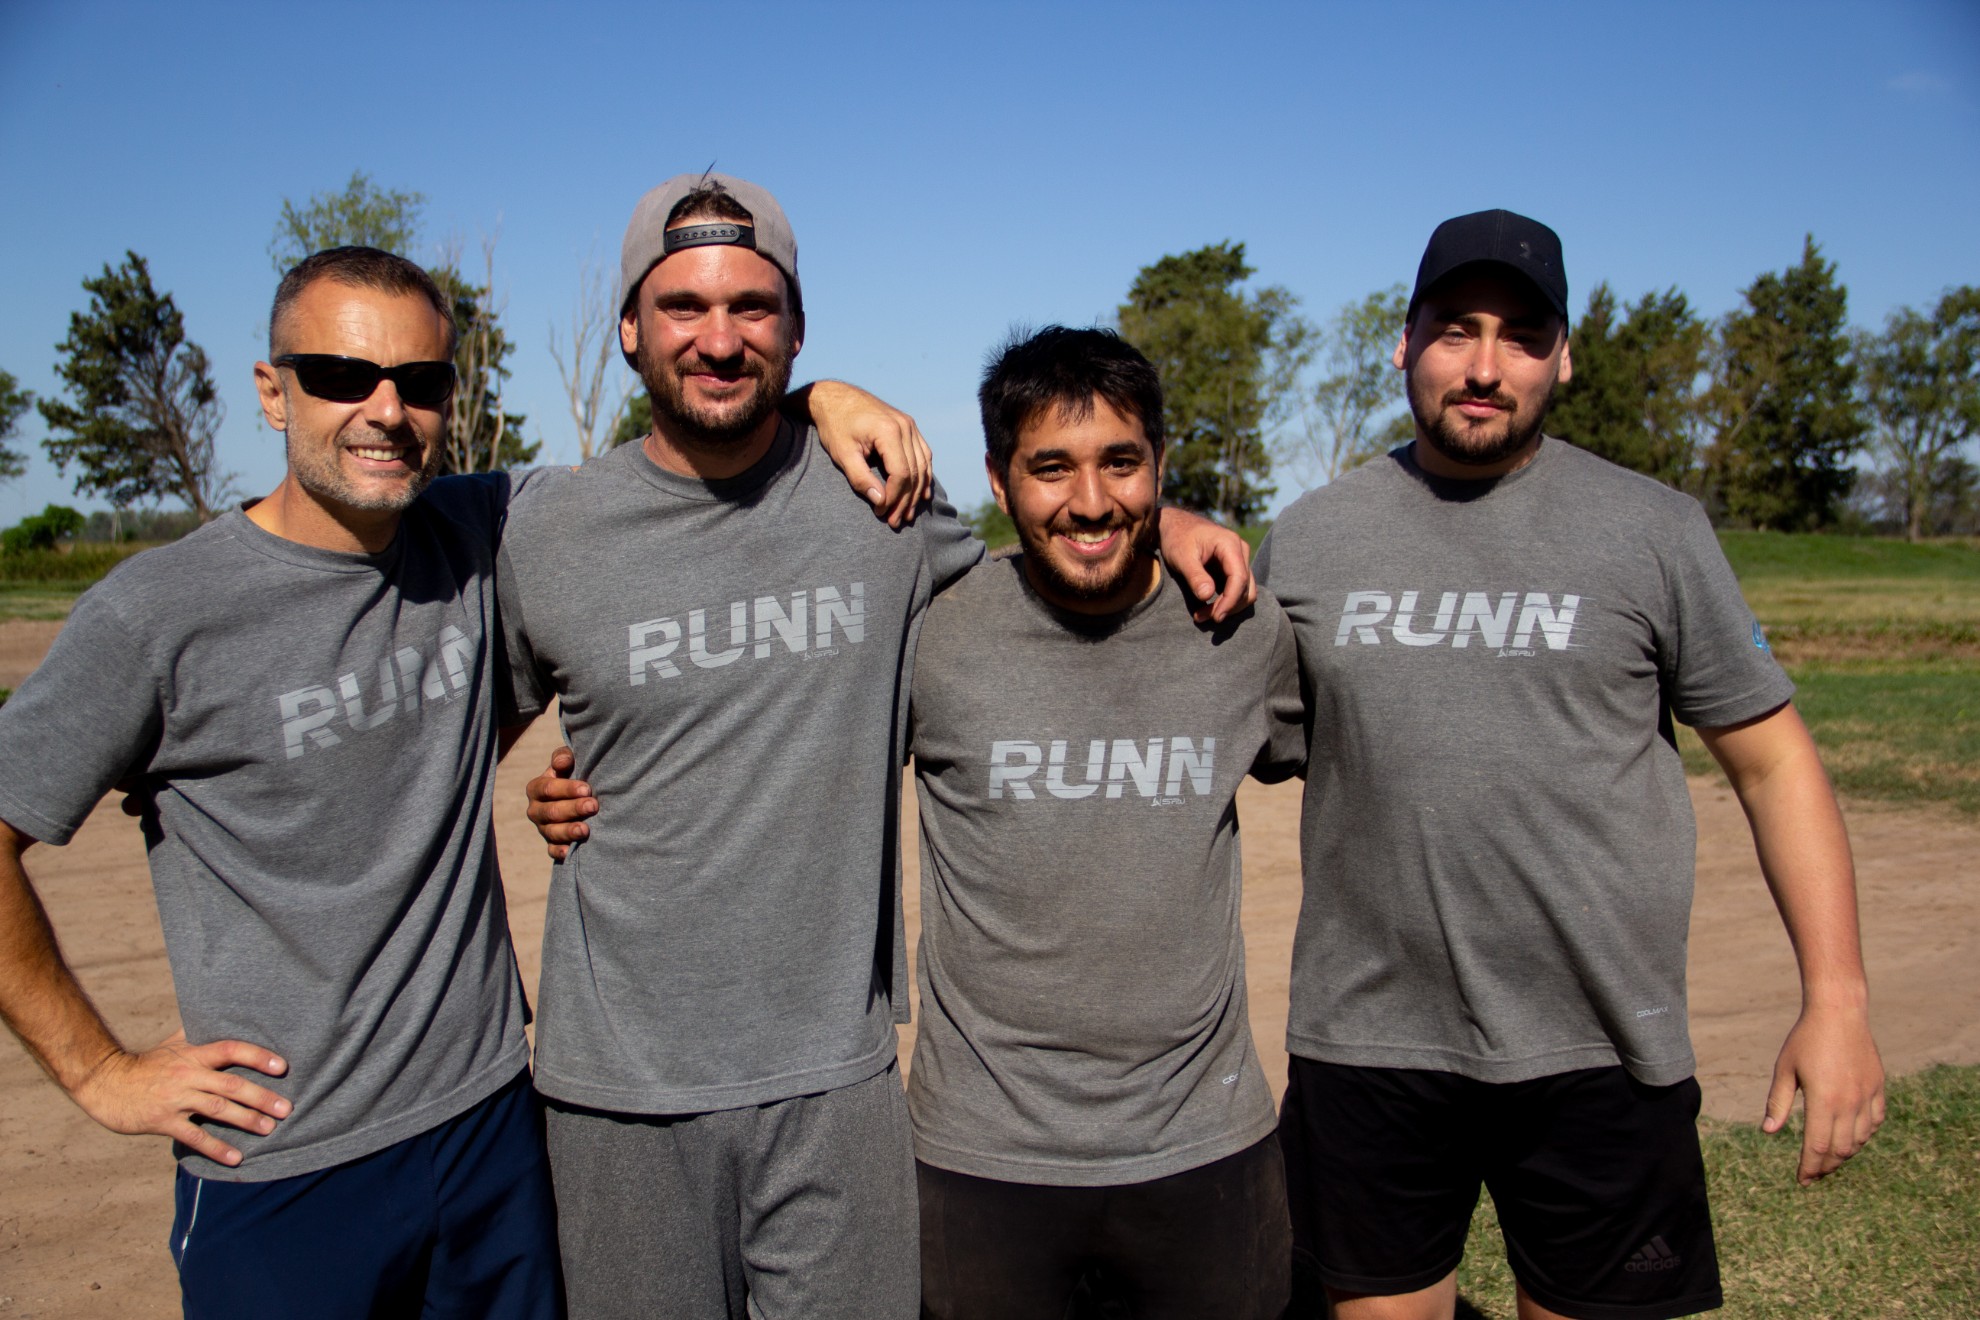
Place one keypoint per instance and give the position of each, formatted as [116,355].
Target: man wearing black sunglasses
[300,696]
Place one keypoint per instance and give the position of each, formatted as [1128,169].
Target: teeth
[1088,538]
[381,455]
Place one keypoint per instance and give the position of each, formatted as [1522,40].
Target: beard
[1037,543]
[716,426]
[315,466]
[1459,440]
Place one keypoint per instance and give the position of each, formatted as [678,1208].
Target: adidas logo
[1653,1255]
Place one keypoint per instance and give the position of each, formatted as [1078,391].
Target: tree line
[1777,415]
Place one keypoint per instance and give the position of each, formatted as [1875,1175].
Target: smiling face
[1482,357]
[713,336]
[360,462]
[1084,495]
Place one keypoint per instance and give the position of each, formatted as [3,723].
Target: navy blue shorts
[1597,1179]
[458,1221]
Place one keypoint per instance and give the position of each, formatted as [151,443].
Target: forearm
[1804,852]
[40,999]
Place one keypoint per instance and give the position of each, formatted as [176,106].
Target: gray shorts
[802,1208]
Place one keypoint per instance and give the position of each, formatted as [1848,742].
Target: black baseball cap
[1503,238]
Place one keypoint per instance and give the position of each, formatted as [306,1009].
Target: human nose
[1481,368]
[1088,499]
[718,337]
[383,407]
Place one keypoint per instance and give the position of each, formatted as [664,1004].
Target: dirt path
[84,1213]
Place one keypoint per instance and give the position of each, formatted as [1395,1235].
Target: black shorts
[1597,1178]
[1210,1241]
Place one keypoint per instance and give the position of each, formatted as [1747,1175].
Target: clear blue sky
[952,169]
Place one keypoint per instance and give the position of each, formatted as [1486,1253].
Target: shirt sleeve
[521,691]
[89,716]
[1712,655]
[952,549]
[1261,561]
[1286,736]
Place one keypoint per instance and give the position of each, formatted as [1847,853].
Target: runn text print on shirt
[1497,620]
[1111,767]
[310,715]
[803,622]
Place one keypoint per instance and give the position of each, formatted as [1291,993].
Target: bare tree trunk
[593,340]
[477,398]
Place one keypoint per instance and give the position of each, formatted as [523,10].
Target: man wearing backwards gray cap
[723,960]
[1496,630]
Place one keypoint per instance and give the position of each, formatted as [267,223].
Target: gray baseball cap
[648,241]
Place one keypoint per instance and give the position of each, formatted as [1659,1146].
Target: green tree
[54,523]
[1343,421]
[991,524]
[482,436]
[145,409]
[1921,379]
[363,214]
[13,402]
[1783,400]
[1230,363]
[635,420]
[1634,394]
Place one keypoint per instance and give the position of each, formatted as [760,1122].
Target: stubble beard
[1451,435]
[316,469]
[1038,551]
[723,427]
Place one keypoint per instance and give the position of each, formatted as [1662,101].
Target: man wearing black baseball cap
[1496,630]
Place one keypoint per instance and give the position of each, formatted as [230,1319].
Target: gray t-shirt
[1083,1018]
[313,736]
[729,660]
[1497,839]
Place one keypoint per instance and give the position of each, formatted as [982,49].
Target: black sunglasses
[351,379]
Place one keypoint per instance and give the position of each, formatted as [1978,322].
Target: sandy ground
[84,1213]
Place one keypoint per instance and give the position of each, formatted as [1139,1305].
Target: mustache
[739,366]
[1497,397]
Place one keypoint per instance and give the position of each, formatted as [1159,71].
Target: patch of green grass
[1882,639]
[38,600]
[1777,556]
[1893,729]
[1907,733]
[81,564]
[1852,595]
[1892,1235]
[44,584]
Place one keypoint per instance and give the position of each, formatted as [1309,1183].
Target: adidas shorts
[1597,1179]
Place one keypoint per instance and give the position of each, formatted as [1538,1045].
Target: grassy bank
[1892,1235]
[1882,639]
[44,584]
